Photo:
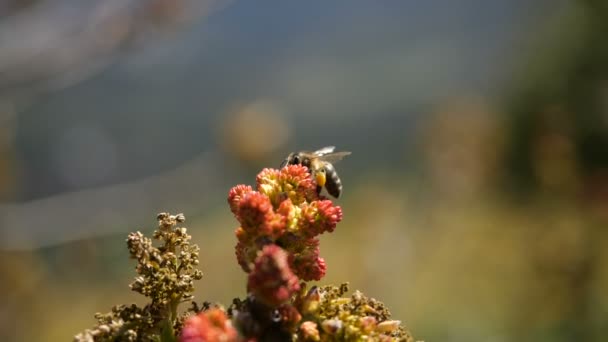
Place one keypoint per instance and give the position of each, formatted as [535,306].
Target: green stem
[173,306]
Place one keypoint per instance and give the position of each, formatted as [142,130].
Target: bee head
[292,159]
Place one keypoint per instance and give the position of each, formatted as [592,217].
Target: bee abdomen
[333,183]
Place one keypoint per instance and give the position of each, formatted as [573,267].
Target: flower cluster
[166,275]
[285,211]
[318,314]
[166,272]
[333,317]
[278,246]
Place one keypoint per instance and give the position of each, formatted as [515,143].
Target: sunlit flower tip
[271,280]
[289,212]
[180,217]
[388,326]
[209,326]
[332,326]
[254,211]
[367,324]
[267,181]
[299,182]
[241,234]
[166,221]
[309,303]
[235,194]
[298,175]
[313,294]
[309,331]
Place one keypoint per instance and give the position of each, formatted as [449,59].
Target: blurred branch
[557,151]
[112,209]
[561,94]
[47,44]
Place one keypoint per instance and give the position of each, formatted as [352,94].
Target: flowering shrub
[278,247]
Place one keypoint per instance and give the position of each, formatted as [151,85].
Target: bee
[320,165]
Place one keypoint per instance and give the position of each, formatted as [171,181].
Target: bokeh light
[475,199]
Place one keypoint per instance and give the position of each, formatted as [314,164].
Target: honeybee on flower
[320,164]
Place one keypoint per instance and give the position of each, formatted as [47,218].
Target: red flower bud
[320,217]
[309,331]
[255,212]
[235,194]
[271,281]
[209,326]
[305,261]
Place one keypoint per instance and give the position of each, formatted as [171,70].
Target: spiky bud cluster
[166,275]
[285,211]
[165,272]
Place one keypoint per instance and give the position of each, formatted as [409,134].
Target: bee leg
[319,188]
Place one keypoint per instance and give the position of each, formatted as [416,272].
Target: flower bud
[209,326]
[271,281]
[309,331]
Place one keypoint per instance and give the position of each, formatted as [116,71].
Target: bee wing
[334,157]
[325,150]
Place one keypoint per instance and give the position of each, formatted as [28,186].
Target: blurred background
[475,200]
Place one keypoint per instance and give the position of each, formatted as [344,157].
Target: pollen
[320,178]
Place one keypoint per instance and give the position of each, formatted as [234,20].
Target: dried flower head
[166,274]
[357,318]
